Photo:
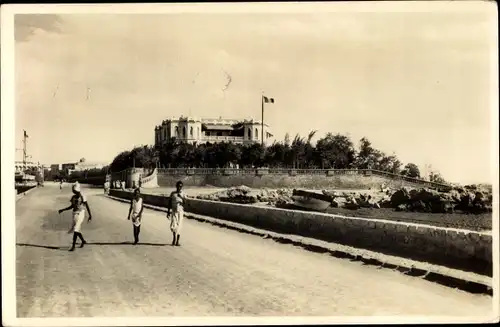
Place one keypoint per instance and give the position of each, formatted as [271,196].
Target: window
[256,134]
[191,132]
[184,131]
[176,131]
[249,133]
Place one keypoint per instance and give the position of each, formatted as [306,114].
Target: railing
[209,138]
[410,179]
[148,178]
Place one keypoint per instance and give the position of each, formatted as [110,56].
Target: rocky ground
[467,207]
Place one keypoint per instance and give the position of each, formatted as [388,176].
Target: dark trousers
[137,230]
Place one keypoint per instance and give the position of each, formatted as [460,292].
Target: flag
[25,135]
[268,100]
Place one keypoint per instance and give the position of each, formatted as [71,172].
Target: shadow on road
[50,247]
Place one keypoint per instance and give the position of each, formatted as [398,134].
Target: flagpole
[262,122]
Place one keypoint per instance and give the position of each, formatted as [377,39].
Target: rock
[479,204]
[465,203]
[372,203]
[418,206]
[400,197]
[244,194]
[335,204]
[351,205]
[448,207]
[455,195]
[432,200]
[367,201]
[339,202]
[385,202]
[401,207]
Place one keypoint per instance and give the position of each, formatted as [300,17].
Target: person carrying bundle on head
[78,201]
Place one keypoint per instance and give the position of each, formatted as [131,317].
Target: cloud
[27,25]
[354,73]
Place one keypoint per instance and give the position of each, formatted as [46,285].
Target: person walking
[135,213]
[106,187]
[78,201]
[176,205]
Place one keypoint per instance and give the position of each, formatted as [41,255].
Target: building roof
[212,121]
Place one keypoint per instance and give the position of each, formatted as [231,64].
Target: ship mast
[25,150]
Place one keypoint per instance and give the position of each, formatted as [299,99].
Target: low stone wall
[460,249]
[320,181]
[23,191]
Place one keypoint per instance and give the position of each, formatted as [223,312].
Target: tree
[368,157]
[301,152]
[185,155]
[200,156]
[436,178]
[309,151]
[121,161]
[411,170]
[388,163]
[276,155]
[252,155]
[168,154]
[143,157]
[335,151]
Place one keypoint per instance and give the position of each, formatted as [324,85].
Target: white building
[193,130]
[21,166]
[82,166]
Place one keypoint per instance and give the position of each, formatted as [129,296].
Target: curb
[465,281]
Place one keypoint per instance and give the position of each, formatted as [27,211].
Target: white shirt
[177,200]
[77,201]
[136,209]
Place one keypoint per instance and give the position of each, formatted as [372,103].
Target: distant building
[55,168]
[192,130]
[82,166]
[68,166]
[20,166]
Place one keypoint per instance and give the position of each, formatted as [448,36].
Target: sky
[414,83]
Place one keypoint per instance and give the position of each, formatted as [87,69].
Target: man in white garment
[176,205]
[78,201]
[135,213]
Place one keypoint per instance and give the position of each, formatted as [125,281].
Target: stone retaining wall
[454,248]
[319,181]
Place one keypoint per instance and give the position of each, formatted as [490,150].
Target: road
[216,272]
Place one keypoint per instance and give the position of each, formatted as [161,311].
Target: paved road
[217,272]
